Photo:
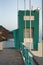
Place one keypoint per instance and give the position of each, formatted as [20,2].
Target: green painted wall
[16,38]
[35,26]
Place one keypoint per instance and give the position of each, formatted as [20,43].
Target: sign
[28,17]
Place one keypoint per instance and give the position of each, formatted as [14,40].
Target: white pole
[17,5]
[25,20]
[25,12]
[30,19]
[17,9]
[30,22]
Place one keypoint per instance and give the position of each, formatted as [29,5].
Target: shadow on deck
[11,56]
[38,60]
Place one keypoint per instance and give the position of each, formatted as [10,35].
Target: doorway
[27,40]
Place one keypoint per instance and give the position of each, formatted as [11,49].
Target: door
[27,40]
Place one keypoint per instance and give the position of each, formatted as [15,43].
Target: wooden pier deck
[11,56]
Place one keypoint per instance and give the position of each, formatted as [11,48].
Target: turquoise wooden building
[19,34]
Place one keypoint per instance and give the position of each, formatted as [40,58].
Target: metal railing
[28,55]
[25,53]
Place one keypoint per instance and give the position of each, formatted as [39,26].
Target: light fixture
[38,8]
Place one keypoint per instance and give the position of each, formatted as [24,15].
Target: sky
[8,13]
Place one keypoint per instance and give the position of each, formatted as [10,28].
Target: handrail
[25,53]
[28,50]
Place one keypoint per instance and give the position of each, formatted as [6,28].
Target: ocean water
[9,43]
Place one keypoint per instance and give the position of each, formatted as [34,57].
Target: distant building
[5,34]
